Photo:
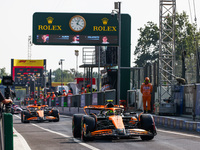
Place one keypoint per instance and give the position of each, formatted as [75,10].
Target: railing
[186,99]
[96,98]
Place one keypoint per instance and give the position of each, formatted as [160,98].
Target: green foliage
[69,75]
[147,48]
[184,36]
[3,72]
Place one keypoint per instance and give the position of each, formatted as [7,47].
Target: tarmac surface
[179,123]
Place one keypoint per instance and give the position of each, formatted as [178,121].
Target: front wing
[119,133]
[45,118]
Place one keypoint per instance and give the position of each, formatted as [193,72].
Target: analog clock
[77,23]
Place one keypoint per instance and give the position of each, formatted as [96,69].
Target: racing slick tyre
[147,123]
[76,125]
[56,114]
[88,125]
[23,119]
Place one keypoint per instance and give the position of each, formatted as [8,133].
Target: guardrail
[96,98]
[186,99]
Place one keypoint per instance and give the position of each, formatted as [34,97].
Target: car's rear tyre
[57,118]
[56,114]
[76,125]
[146,138]
[22,118]
[88,125]
[147,123]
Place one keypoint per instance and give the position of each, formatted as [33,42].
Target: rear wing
[101,107]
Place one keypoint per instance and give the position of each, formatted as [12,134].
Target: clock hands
[77,23]
[80,25]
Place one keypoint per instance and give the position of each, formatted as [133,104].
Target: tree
[68,75]
[3,72]
[147,48]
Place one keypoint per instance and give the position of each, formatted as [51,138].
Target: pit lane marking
[64,135]
[177,133]
[19,142]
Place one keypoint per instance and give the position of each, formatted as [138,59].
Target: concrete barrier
[177,123]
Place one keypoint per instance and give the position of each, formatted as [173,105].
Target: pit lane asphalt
[58,136]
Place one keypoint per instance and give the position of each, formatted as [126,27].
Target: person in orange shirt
[83,90]
[146,90]
[64,93]
[69,93]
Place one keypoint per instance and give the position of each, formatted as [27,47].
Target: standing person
[83,90]
[64,93]
[146,90]
[106,86]
[69,93]
[88,89]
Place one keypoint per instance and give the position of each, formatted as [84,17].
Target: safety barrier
[96,98]
[177,123]
[187,100]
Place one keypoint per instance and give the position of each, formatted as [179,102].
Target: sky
[16,26]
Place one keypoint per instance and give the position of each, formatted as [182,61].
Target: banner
[49,101]
[57,101]
[62,101]
[82,100]
[94,99]
[27,62]
[69,100]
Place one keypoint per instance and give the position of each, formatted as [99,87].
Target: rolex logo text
[49,27]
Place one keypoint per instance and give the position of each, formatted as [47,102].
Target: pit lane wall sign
[75,29]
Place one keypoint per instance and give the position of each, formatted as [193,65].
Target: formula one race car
[39,113]
[110,121]
[15,109]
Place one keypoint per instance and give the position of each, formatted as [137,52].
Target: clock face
[77,23]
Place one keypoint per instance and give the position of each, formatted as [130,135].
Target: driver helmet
[110,112]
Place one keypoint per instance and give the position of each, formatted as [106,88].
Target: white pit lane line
[19,142]
[177,133]
[67,136]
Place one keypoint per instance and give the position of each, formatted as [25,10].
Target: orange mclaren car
[39,113]
[110,121]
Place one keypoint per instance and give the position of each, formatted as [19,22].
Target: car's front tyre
[88,125]
[76,125]
[147,123]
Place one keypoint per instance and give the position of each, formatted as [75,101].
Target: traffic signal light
[18,98]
